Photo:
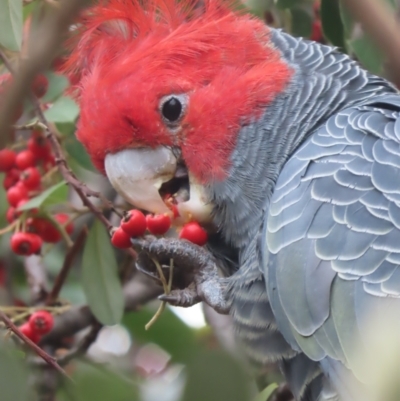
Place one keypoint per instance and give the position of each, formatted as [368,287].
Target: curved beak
[137,175]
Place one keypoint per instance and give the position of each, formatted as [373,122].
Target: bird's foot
[195,272]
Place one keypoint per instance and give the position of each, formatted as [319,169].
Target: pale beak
[137,175]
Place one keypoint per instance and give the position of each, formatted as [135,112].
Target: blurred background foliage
[180,357]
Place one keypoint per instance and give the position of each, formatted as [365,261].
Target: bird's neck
[325,81]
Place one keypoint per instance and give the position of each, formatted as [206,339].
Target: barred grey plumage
[323,164]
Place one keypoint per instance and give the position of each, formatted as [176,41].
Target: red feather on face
[130,54]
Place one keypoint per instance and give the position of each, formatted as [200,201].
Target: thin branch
[81,189]
[382,27]
[83,345]
[44,355]
[69,258]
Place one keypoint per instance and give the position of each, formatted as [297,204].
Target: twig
[83,345]
[382,27]
[81,189]
[62,275]
[44,355]
[167,289]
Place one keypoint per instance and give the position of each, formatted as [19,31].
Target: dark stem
[83,345]
[63,274]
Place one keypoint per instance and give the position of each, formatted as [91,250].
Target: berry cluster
[39,324]
[23,180]
[135,224]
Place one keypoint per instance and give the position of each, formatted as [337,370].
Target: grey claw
[184,298]
[168,298]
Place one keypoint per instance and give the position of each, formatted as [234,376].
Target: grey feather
[318,176]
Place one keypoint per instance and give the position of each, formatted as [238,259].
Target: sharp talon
[167,298]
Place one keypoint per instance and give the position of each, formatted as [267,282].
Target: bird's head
[165,87]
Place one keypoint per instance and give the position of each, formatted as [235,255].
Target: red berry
[316,33]
[31,178]
[62,218]
[44,229]
[25,243]
[41,322]
[11,214]
[11,178]
[158,224]
[193,232]
[37,242]
[40,85]
[16,193]
[26,329]
[120,239]
[134,223]
[7,159]
[25,159]
[39,146]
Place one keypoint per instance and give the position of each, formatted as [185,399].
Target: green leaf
[57,85]
[67,129]
[100,280]
[76,150]
[56,194]
[258,7]
[361,45]
[347,20]
[11,24]
[95,383]
[216,376]
[169,332]
[13,375]
[369,55]
[301,23]
[332,24]
[266,393]
[286,3]
[64,110]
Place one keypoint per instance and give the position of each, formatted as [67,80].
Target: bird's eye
[172,109]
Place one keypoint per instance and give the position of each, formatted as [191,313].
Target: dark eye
[172,109]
